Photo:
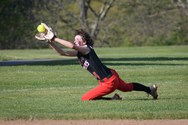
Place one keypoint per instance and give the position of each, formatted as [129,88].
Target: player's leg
[107,86]
[97,92]
[152,90]
[140,87]
[125,87]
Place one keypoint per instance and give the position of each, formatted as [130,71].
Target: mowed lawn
[53,89]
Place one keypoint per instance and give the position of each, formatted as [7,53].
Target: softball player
[108,78]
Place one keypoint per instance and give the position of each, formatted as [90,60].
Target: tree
[15,20]
[85,6]
[110,23]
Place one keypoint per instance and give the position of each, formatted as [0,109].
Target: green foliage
[128,23]
[15,24]
[53,90]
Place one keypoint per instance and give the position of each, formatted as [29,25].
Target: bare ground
[96,122]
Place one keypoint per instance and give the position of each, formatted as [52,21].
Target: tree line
[109,22]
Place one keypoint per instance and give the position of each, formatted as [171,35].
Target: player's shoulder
[90,47]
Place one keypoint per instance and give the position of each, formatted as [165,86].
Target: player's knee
[86,98]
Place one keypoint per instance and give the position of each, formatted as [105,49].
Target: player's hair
[85,36]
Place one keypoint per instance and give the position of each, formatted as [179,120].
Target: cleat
[153,92]
[116,97]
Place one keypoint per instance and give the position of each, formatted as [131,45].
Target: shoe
[153,92]
[116,97]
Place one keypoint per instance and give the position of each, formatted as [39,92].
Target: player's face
[79,41]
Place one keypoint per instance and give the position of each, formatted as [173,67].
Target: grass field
[53,90]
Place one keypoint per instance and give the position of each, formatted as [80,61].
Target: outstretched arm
[64,42]
[82,49]
[50,36]
[61,51]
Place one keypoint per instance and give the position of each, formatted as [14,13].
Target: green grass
[53,90]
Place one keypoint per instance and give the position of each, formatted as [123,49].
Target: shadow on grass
[107,61]
[147,59]
[159,98]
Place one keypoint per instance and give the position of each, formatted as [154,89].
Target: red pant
[108,86]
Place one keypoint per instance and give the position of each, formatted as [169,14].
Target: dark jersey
[93,64]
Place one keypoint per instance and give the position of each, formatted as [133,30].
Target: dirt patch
[96,122]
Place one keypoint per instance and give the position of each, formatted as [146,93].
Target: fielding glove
[40,36]
[49,35]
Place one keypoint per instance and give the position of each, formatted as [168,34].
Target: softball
[41,28]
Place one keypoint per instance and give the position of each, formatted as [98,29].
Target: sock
[140,87]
